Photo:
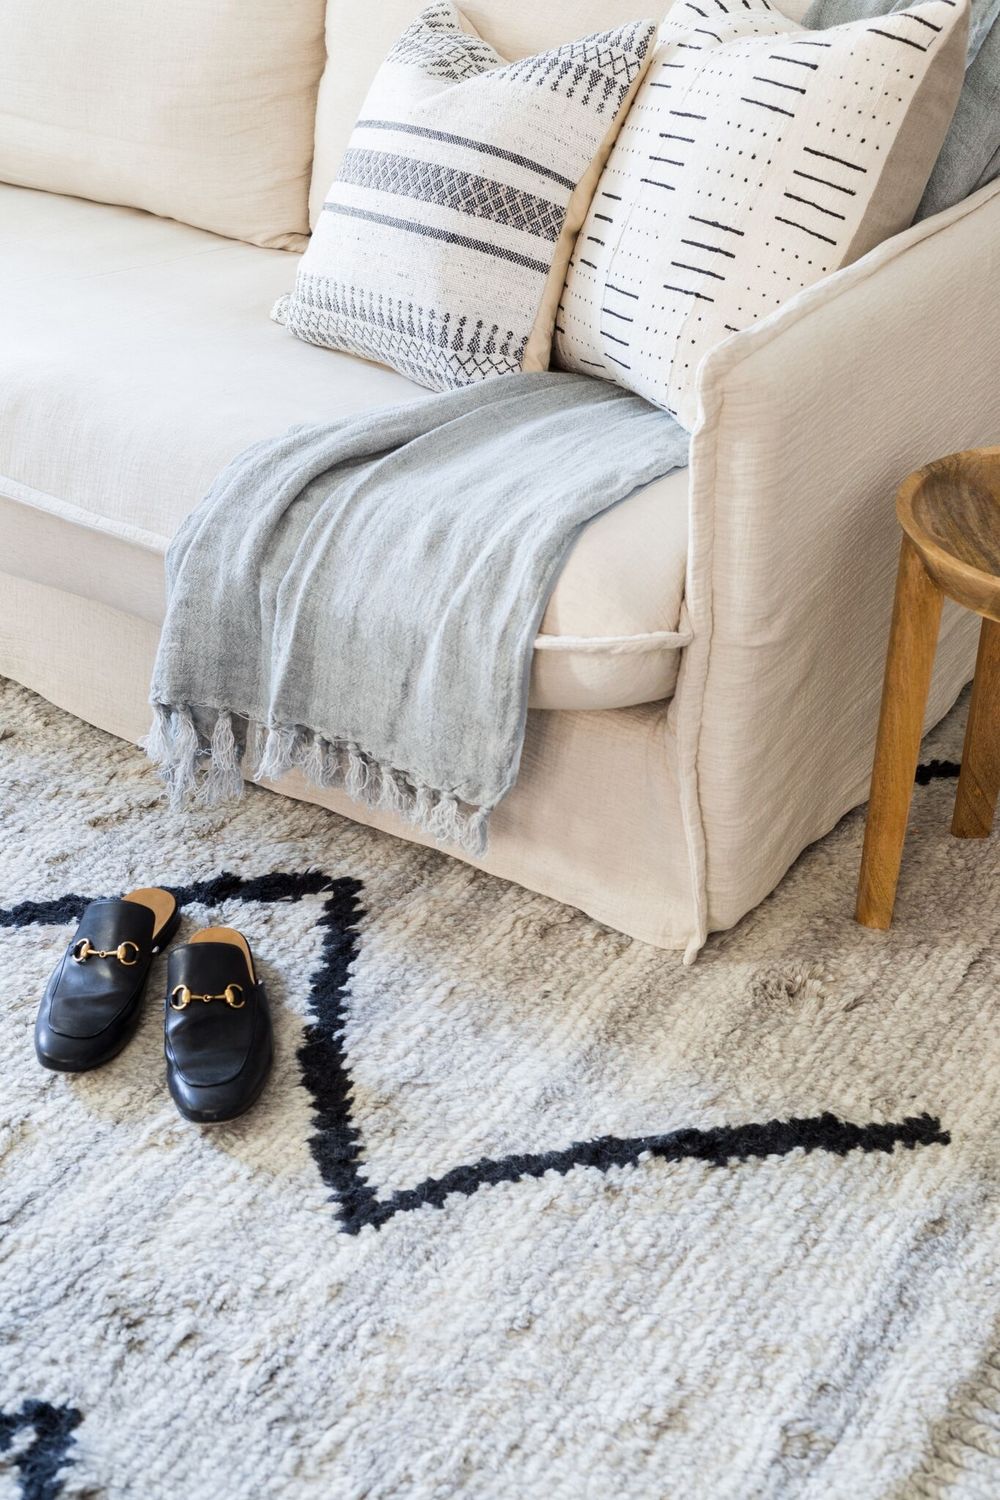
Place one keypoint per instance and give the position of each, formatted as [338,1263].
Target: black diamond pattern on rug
[40,1463]
[337,1146]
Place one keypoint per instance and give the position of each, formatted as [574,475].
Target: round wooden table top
[951,512]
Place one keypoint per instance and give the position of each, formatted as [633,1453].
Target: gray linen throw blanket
[359,599]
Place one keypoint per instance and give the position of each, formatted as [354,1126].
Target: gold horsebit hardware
[84,949]
[181,997]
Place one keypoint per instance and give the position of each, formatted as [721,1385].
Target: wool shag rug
[528,1209]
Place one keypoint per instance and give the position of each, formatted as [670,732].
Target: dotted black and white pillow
[757,158]
[445,238]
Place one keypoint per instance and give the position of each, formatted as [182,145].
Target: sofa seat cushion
[138,359]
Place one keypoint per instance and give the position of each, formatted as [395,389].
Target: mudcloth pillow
[970,157]
[443,243]
[757,158]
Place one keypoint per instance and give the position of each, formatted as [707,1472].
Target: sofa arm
[808,423]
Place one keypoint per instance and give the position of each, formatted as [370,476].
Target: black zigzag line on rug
[337,1147]
[717,1146]
[932,770]
[39,1465]
[224,887]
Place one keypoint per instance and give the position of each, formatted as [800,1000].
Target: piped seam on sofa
[77,515]
[615,645]
[18,493]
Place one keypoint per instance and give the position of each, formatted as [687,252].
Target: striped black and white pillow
[758,157]
[444,241]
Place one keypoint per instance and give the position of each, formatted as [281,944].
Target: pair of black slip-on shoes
[217,1025]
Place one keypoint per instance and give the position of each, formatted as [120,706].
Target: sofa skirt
[594,820]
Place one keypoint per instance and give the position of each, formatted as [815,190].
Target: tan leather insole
[160,903]
[227,935]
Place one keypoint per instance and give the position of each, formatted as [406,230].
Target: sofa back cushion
[199,110]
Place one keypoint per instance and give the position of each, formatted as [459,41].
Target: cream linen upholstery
[201,110]
[665,821]
[359,34]
[138,358]
[808,423]
[594,819]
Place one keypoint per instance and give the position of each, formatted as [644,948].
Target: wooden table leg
[916,620]
[979,782]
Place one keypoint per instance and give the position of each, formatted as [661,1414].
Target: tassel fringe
[224,779]
[208,771]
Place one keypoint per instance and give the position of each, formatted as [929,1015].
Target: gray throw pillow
[970,157]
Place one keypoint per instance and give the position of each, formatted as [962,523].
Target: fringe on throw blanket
[210,771]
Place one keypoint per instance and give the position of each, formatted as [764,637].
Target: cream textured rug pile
[528,1209]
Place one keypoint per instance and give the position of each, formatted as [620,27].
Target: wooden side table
[950,515]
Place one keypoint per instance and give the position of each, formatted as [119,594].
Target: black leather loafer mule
[217,1027]
[92,1002]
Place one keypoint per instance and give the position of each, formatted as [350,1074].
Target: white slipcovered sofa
[706,682]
